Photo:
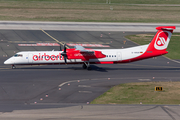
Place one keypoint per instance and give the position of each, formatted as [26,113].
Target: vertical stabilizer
[159,43]
[161,39]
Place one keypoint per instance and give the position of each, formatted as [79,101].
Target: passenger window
[109,55]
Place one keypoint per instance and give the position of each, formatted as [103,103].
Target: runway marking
[40,44]
[16,41]
[53,38]
[4,68]
[84,86]
[85,91]
[144,79]
[171,59]
[87,45]
[71,82]
[31,41]
[68,82]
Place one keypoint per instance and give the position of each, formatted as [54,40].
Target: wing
[82,49]
[83,54]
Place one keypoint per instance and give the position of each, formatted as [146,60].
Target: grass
[106,1]
[143,92]
[90,11]
[173,48]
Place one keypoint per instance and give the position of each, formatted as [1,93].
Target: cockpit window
[18,55]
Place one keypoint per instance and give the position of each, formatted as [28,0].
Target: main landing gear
[86,65]
[13,66]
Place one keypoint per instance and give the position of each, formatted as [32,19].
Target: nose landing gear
[13,66]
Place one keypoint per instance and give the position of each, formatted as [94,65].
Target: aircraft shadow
[101,69]
[93,68]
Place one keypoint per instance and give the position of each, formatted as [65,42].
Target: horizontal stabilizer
[166,28]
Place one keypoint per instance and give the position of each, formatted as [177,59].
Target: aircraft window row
[110,55]
[18,55]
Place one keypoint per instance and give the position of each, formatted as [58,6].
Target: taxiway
[68,88]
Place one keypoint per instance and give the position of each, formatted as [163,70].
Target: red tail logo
[162,40]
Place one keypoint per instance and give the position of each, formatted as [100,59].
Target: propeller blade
[64,48]
[65,59]
[64,54]
[60,48]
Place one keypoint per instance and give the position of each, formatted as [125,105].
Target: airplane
[86,56]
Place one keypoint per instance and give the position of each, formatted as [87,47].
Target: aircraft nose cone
[7,62]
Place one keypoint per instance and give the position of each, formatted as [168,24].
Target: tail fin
[161,39]
[158,44]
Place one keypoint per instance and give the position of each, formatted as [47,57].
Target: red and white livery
[85,56]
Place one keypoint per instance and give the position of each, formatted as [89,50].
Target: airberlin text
[47,57]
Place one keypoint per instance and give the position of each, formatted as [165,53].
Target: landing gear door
[30,58]
[119,57]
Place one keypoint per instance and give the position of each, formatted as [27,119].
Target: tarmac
[65,91]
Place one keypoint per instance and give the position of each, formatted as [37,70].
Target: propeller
[60,48]
[64,54]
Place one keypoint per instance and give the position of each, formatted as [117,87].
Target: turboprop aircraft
[85,56]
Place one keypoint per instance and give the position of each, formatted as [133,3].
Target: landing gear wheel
[84,66]
[13,67]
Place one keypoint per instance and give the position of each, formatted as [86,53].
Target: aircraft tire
[84,66]
[13,67]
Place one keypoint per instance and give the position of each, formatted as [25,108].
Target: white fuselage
[54,57]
